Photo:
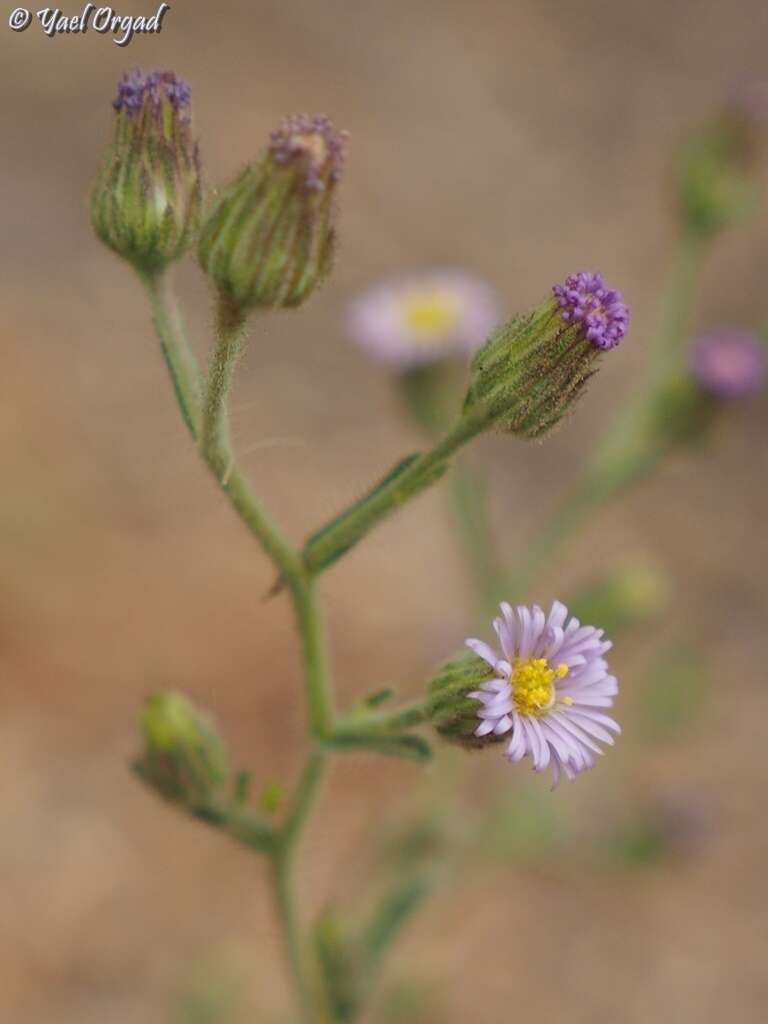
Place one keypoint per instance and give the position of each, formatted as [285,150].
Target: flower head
[729,362]
[550,680]
[269,236]
[313,145]
[584,299]
[146,199]
[136,88]
[420,318]
[533,369]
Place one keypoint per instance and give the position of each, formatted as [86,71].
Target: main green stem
[281,861]
[622,456]
[208,424]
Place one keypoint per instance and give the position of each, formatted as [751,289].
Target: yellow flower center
[533,685]
[430,312]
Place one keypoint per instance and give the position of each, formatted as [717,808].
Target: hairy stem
[216,450]
[208,423]
[311,630]
[407,716]
[306,790]
[179,358]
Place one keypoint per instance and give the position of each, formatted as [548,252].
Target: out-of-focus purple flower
[584,298]
[748,100]
[729,362]
[551,681]
[423,317]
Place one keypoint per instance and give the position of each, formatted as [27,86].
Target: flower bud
[452,712]
[531,370]
[183,759]
[268,238]
[623,598]
[146,200]
[713,186]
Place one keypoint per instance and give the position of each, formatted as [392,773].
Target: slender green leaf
[412,748]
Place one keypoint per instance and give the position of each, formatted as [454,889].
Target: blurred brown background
[521,139]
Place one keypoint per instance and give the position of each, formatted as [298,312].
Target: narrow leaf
[412,748]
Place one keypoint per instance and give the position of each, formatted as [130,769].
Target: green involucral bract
[146,199]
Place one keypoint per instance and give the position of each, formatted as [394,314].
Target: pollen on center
[532,682]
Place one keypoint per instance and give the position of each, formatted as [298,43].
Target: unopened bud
[184,759]
[146,200]
[451,710]
[623,598]
[713,181]
[268,239]
[531,370]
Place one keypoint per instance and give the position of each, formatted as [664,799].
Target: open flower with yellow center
[551,681]
[420,318]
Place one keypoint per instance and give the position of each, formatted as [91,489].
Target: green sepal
[452,713]
[146,200]
[266,241]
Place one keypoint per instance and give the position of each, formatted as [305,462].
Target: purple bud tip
[313,142]
[729,362]
[583,298]
[135,87]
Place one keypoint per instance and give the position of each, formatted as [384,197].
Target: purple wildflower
[729,362]
[550,682]
[420,318]
[136,86]
[584,298]
[314,141]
